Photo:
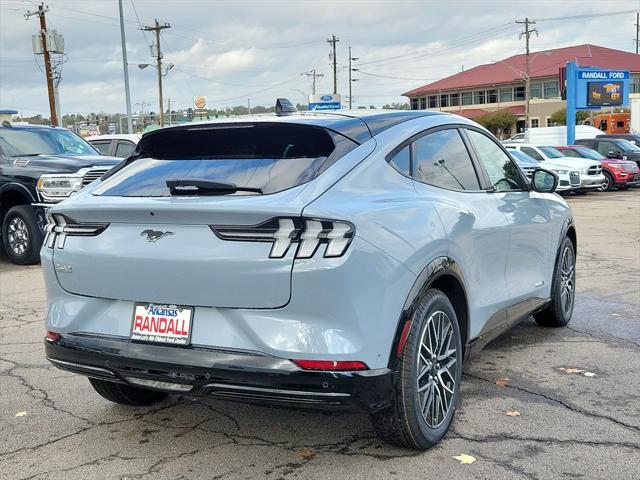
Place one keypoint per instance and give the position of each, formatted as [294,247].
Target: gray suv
[317,260]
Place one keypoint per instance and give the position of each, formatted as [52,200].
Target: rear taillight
[330,365]
[59,227]
[52,336]
[282,232]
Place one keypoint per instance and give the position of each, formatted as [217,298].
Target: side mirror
[544,181]
[614,154]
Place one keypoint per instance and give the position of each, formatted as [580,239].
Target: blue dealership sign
[325,102]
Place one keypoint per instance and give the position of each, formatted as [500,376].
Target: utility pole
[527,87]
[169,109]
[333,40]
[125,69]
[42,10]
[637,30]
[249,105]
[313,76]
[158,54]
[351,80]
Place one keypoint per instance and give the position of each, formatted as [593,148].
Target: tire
[21,236]
[607,186]
[563,288]
[126,395]
[403,423]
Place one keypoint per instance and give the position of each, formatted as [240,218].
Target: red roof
[542,64]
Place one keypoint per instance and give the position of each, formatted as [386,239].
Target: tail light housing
[59,227]
[331,365]
[283,232]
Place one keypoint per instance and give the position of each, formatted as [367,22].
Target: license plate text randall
[162,324]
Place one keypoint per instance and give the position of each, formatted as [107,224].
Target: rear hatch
[161,219]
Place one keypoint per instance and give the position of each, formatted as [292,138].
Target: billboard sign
[200,105]
[605,94]
[325,101]
[597,88]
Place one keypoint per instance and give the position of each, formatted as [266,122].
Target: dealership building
[500,86]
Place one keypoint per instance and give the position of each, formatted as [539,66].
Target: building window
[535,122]
[454,99]
[548,122]
[444,100]
[519,93]
[536,90]
[467,98]
[423,103]
[433,101]
[492,96]
[479,97]
[414,104]
[551,89]
[506,94]
[635,83]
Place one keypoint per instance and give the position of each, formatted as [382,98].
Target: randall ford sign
[603,75]
[325,101]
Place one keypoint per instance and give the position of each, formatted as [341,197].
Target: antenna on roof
[284,107]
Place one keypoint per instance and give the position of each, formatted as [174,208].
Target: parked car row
[600,163]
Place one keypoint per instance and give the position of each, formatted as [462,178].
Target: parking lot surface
[573,397]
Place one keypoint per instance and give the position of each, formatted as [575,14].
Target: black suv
[629,137]
[40,166]
[612,147]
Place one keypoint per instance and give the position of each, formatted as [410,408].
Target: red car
[617,173]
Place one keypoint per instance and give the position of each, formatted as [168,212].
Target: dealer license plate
[168,324]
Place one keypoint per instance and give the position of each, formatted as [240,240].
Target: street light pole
[125,68]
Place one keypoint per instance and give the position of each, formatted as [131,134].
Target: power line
[588,15]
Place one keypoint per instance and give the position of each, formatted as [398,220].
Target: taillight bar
[282,232]
[59,227]
[331,365]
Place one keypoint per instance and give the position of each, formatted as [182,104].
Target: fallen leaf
[306,453]
[615,314]
[501,382]
[589,374]
[21,414]
[465,459]
[512,413]
[571,370]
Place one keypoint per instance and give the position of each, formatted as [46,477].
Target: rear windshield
[270,157]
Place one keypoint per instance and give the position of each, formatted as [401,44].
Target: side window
[104,147]
[401,161]
[532,153]
[503,172]
[605,147]
[124,149]
[441,159]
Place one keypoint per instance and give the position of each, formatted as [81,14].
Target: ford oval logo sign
[326,98]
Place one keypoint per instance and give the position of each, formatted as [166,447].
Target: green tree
[497,122]
[560,117]
[396,106]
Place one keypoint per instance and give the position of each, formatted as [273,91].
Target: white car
[591,176]
[116,145]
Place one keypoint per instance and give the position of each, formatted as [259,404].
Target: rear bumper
[230,375]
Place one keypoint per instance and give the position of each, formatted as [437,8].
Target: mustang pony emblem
[154,235]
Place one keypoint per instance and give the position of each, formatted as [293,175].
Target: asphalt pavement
[536,403]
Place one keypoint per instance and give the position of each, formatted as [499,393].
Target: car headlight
[624,157]
[54,187]
[560,172]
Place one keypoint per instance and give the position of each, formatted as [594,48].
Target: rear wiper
[206,187]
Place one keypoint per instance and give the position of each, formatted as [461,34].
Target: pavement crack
[558,401]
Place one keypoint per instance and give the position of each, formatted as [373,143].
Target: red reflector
[403,337]
[330,365]
[52,336]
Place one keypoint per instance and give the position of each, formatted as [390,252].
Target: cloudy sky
[231,51]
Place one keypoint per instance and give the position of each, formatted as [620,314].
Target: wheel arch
[13,194]
[444,274]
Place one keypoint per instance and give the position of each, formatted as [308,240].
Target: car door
[530,258]
[478,232]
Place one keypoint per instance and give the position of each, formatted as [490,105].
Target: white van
[558,135]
